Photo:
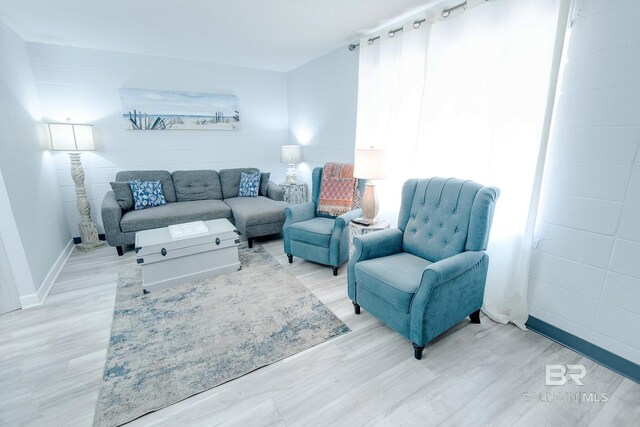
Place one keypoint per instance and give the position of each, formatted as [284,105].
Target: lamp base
[89,236]
[291,174]
[370,203]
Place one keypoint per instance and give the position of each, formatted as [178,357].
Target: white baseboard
[33,300]
[28,301]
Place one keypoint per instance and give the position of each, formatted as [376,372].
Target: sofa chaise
[192,196]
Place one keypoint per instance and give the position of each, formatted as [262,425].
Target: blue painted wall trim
[597,354]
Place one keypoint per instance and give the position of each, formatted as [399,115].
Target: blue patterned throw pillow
[147,194]
[249,184]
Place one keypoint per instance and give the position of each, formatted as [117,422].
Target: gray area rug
[169,345]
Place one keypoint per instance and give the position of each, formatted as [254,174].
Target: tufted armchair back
[442,217]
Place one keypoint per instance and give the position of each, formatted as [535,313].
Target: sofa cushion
[316,231]
[257,210]
[152,175]
[174,213]
[249,184]
[197,185]
[264,183]
[230,181]
[124,196]
[394,278]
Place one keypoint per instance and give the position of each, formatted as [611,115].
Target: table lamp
[290,155]
[369,164]
[75,138]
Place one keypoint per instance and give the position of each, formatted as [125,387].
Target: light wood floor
[52,356]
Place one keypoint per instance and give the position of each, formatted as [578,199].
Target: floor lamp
[75,139]
[369,165]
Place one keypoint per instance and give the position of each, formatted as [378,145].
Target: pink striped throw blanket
[338,190]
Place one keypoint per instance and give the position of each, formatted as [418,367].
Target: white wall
[323,98]
[585,277]
[28,173]
[14,268]
[82,84]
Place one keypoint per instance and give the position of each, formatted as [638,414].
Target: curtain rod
[463,5]
[416,25]
[447,12]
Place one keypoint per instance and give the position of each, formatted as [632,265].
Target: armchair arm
[450,289]
[339,243]
[376,245]
[373,245]
[346,218]
[293,214]
[300,212]
[274,191]
[111,216]
[449,268]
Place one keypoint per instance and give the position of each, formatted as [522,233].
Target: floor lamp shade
[71,137]
[369,164]
[74,139]
[291,155]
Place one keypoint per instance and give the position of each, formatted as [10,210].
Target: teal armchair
[320,239]
[428,274]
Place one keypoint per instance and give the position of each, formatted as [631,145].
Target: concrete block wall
[585,273]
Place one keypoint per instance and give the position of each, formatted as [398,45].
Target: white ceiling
[269,34]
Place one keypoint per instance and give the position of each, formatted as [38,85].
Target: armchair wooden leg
[475,316]
[417,351]
[120,250]
[335,271]
[290,258]
[356,307]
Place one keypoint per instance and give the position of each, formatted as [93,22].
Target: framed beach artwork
[144,109]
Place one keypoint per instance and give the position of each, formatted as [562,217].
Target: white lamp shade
[71,137]
[290,154]
[369,164]
[84,137]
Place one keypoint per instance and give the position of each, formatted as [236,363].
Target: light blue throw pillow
[249,184]
[147,194]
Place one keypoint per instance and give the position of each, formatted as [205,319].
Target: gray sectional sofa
[192,196]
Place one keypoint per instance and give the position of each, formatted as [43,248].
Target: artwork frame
[159,110]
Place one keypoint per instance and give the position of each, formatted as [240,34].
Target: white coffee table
[168,261]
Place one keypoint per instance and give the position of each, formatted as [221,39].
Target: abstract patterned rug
[169,345]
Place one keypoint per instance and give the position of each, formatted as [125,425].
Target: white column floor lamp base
[88,229]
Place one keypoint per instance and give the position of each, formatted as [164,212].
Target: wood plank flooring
[52,356]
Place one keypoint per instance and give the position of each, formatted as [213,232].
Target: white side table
[294,193]
[359,229]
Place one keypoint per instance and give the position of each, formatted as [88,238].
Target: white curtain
[390,93]
[485,86]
